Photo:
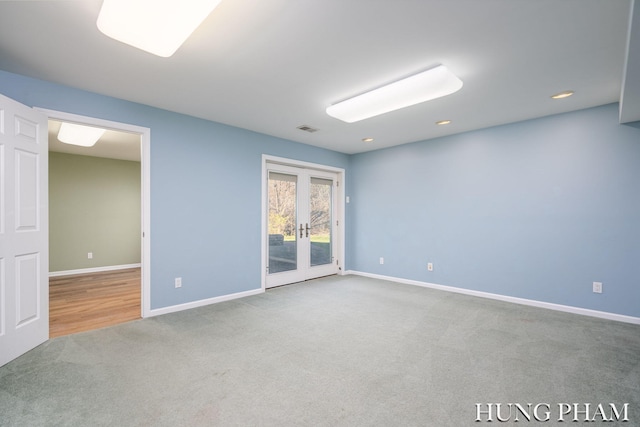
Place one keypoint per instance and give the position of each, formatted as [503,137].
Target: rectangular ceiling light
[84,136]
[431,84]
[156,26]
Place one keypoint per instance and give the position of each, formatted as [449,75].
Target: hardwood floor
[90,301]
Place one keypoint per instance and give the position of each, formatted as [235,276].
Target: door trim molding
[145,166]
[268,159]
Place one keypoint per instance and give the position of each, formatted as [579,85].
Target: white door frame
[145,143]
[268,159]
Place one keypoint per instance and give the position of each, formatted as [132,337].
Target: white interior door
[24,253]
[301,224]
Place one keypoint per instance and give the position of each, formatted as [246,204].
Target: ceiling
[112,144]
[272,66]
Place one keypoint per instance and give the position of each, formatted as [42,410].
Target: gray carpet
[337,351]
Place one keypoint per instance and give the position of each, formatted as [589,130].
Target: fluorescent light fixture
[84,136]
[443,122]
[369,139]
[425,86]
[156,26]
[561,95]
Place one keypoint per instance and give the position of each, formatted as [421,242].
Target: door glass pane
[320,220]
[282,222]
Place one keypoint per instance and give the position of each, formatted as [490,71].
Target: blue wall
[537,209]
[205,189]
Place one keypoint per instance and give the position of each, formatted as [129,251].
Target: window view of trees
[282,208]
[320,210]
[282,222]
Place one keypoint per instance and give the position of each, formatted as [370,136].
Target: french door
[301,224]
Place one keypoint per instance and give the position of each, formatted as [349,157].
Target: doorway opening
[98,223]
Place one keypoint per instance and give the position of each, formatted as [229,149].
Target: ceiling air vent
[307,128]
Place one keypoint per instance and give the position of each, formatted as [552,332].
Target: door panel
[320,219]
[26,191]
[282,220]
[3,293]
[27,289]
[24,257]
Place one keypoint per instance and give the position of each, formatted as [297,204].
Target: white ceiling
[271,66]
[112,144]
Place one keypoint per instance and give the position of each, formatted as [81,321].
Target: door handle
[307,224]
[301,230]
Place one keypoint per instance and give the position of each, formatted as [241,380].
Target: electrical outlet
[178,282]
[381,260]
[597,287]
[90,255]
[430,266]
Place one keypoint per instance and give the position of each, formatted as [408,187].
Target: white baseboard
[202,302]
[93,270]
[515,300]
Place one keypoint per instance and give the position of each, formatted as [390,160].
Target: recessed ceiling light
[84,136]
[443,122]
[367,139]
[565,94]
[425,86]
[158,27]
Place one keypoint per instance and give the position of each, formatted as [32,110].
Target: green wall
[94,206]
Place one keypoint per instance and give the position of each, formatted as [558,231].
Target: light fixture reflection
[158,27]
[425,86]
[561,95]
[84,136]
